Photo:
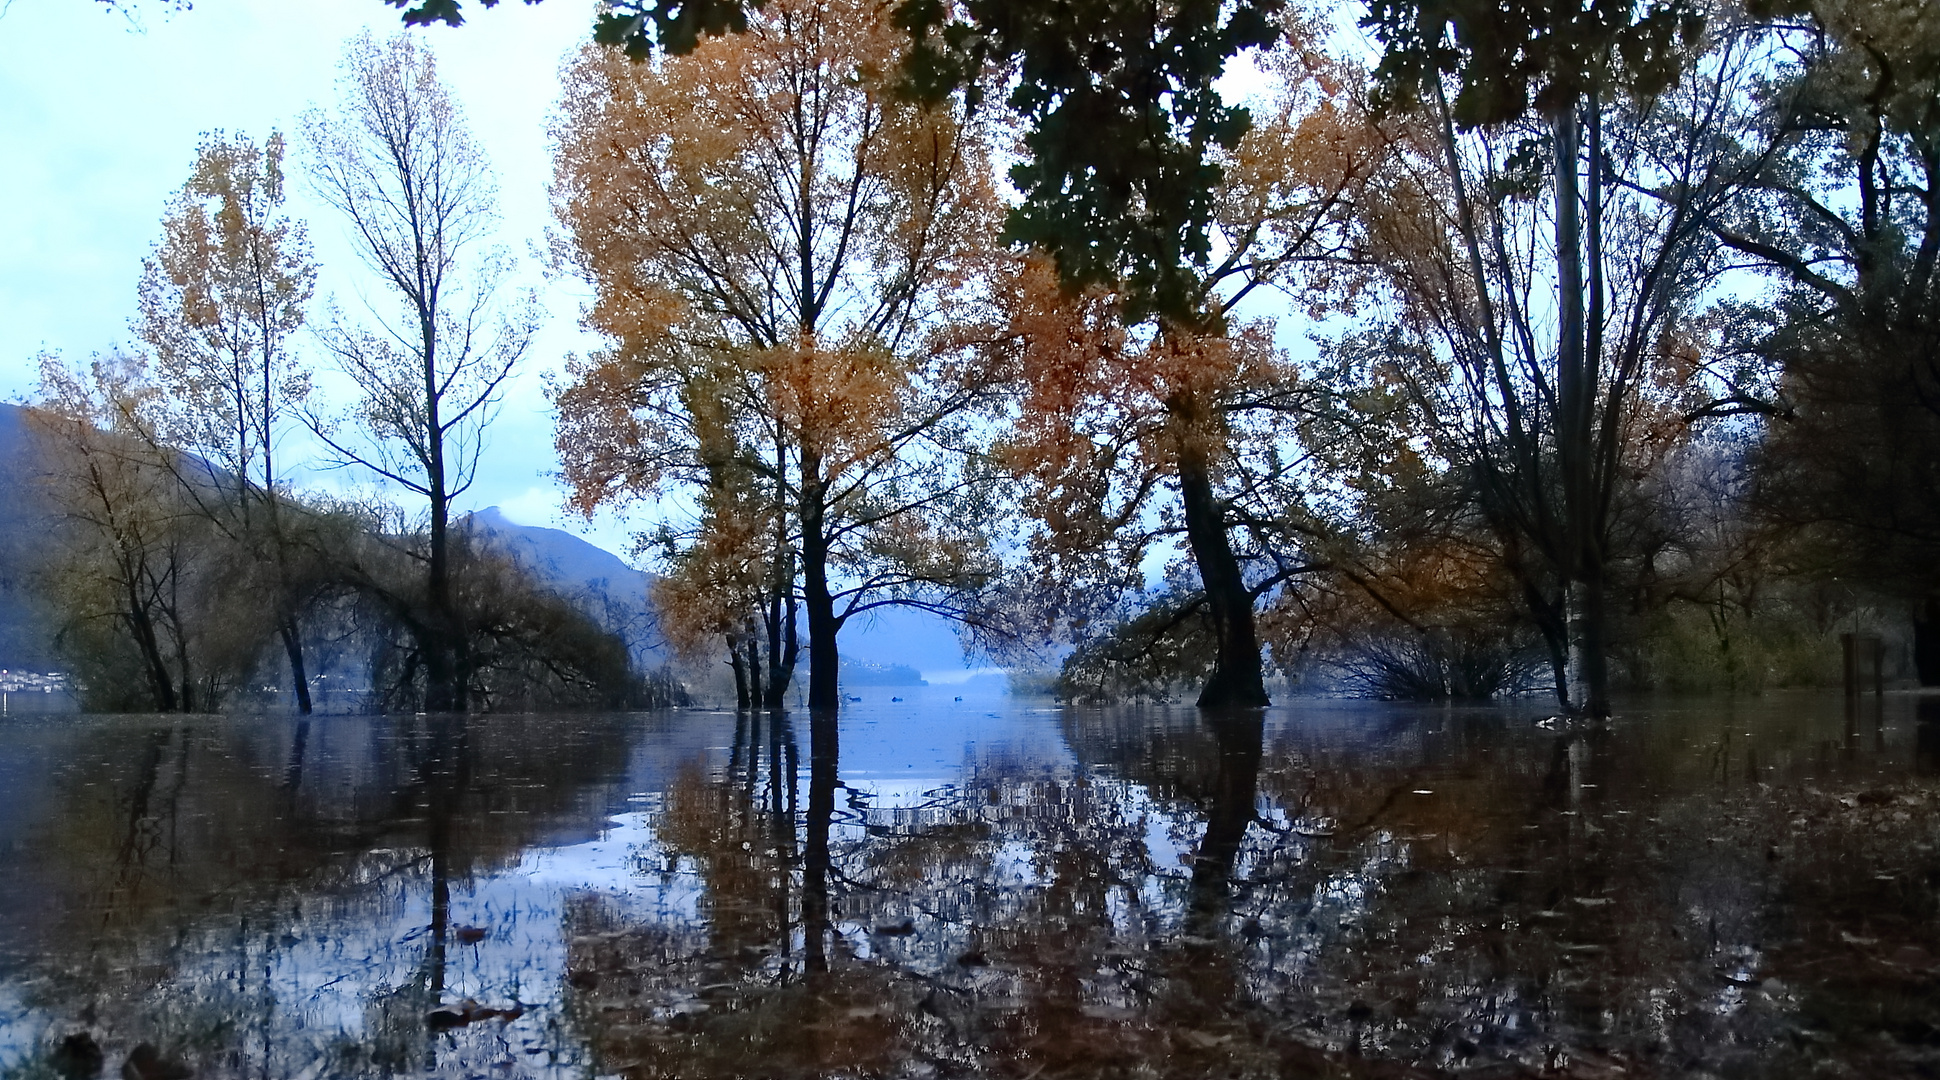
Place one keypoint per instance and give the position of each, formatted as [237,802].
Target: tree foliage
[1842,219]
[774,235]
[220,303]
[1114,418]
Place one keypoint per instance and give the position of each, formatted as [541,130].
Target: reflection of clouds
[996,915]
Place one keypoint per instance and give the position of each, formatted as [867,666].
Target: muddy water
[990,887]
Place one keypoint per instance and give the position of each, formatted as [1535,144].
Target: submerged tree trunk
[440,678]
[784,648]
[823,755]
[1237,678]
[740,673]
[160,682]
[444,679]
[824,664]
[755,694]
[1576,391]
[299,677]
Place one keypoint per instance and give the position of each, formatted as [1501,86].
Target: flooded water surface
[992,887]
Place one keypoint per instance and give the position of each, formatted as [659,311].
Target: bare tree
[1551,344]
[397,161]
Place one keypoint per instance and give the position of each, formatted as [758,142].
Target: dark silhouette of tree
[1567,65]
[1843,217]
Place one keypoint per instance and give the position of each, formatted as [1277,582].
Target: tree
[220,300]
[1116,415]
[773,236]
[1514,63]
[1123,128]
[1842,217]
[397,162]
[1119,99]
[1419,598]
[131,577]
[1123,125]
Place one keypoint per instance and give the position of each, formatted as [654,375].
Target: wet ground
[993,887]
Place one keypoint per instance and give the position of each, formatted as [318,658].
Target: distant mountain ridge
[601,583]
[26,632]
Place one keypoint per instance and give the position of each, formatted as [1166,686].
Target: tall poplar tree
[1563,63]
[221,300]
[398,163]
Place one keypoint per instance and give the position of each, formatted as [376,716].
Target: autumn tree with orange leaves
[221,302]
[1119,420]
[774,237]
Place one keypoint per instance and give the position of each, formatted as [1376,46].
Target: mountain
[881,646]
[864,673]
[600,582]
[26,633]
[885,647]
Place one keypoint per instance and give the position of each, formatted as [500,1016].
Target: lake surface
[992,887]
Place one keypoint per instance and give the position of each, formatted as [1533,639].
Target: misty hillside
[26,635]
[598,581]
[601,583]
[877,648]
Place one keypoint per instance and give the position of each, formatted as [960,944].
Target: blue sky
[99,117]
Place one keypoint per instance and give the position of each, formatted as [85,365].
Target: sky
[100,112]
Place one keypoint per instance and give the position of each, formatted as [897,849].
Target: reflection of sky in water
[324,970]
[296,922]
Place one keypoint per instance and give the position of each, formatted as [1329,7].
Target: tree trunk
[1554,625]
[440,667]
[755,693]
[299,677]
[1926,643]
[1237,679]
[160,682]
[784,648]
[441,690]
[446,675]
[1575,405]
[188,696]
[824,664]
[740,673]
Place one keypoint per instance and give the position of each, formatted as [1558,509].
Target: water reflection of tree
[183,865]
[1014,924]
[1448,889]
